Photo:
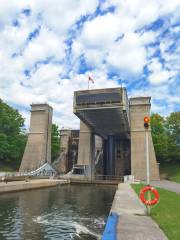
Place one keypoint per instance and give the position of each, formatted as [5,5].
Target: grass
[167,212]
[171,170]
[6,169]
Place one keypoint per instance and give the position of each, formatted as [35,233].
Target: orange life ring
[152,201]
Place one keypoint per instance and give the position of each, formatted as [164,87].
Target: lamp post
[146,126]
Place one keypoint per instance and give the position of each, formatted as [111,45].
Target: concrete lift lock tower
[118,120]
[38,147]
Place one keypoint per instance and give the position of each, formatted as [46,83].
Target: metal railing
[21,176]
[109,177]
[95,179]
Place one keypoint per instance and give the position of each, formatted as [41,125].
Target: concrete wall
[139,108]
[61,164]
[122,157]
[86,149]
[38,147]
[69,140]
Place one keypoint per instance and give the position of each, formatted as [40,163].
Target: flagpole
[90,79]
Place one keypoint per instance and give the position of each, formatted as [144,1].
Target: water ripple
[62,213]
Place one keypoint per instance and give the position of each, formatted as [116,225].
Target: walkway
[132,223]
[28,185]
[168,185]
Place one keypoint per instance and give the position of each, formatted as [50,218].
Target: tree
[166,137]
[12,136]
[173,132]
[159,136]
[55,142]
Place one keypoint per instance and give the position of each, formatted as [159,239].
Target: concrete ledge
[132,222]
[126,201]
[32,184]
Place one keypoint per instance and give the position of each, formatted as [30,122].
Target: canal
[77,212]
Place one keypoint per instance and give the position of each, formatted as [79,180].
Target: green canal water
[66,212]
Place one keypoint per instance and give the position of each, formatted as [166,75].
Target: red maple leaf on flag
[90,79]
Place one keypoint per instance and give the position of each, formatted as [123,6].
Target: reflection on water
[64,212]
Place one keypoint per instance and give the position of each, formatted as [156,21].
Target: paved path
[168,185]
[28,185]
[132,223]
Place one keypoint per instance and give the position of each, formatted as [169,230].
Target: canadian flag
[90,79]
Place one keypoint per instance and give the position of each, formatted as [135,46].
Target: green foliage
[173,132]
[167,212]
[159,135]
[166,137]
[55,140]
[12,137]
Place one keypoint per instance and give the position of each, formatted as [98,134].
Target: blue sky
[49,47]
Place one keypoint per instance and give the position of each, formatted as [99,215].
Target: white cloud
[159,77]
[8,11]
[45,76]
[94,58]
[101,31]
[148,37]
[77,49]
[144,12]
[55,81]
[61,15]
[136,13]
[158,74]
[10,70]
[47,44]
[128,54]
[161,99]
[155,65]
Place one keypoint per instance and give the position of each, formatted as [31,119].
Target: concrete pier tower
[139,108]
[38,147]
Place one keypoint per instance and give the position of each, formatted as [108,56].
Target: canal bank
[128,220]
[30,184]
